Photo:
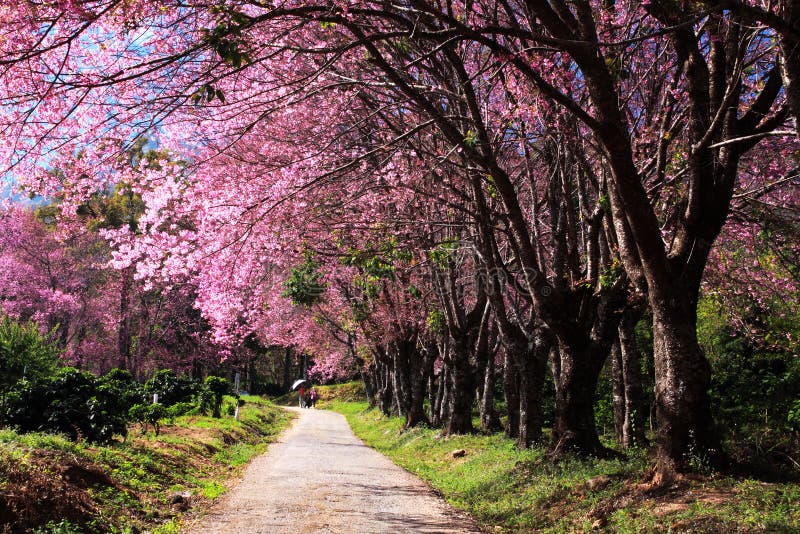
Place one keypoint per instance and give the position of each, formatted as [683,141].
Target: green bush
[148,415]
[24,353]
[229,407]
[121,389]
[793,418]
[171,388]
[740,369]
[72,403]
[214,388]
[178,409]
[755,388]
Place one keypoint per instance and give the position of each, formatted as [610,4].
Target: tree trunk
[410,383]
[685,428]
[423,386]
[790,59]
[397,409]
[532,364]
[416,414]
[446,393]
[401,379]
[432,391]
[287,369]
[124,334]
[481,363]
[462,391]
[437,385]
[635,414]
[511,390]
[251,375]
[490,422]
[438,409]
[368,377]
[618,393]
[574,428]
[385,392]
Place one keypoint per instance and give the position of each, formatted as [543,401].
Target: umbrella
[298,383]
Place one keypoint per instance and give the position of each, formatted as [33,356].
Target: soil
[50,486]
[320,478]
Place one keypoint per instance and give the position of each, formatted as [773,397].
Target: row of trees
[57,273]
[432,186]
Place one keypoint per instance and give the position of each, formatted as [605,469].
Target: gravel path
[320,478]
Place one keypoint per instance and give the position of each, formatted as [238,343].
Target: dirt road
[320,478]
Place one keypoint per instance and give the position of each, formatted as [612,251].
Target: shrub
[178,409]
[171,388]
[741,368]
[148,415]
[205,401]
[25,353]
[793,418]
[214,388]
[71,403]
[62,527]
[236,402]
[121,389]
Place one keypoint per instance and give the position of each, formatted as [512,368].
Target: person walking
[313,395]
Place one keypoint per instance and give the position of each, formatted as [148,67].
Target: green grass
[212,489]
[11,440]
[173,526]
[129,483]
[509,490]
[239,453]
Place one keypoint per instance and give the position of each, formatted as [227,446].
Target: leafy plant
[171,388]
[793,417]
[62,527]
[121,389]
[148,415]
[304,287]
[178,409]
[25,353]
[72,403]
[216,387]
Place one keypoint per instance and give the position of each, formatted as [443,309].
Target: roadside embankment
[146,483]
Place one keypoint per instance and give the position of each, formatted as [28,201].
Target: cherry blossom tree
[58,279]
[626,123]
[754,269]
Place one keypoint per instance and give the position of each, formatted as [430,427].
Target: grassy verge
[148,483]
[508,490]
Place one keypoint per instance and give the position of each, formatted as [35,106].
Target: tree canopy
[422,189]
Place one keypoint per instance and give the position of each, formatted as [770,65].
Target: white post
[236,389]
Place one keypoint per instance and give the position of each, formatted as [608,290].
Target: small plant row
[86,407]
[37,394]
